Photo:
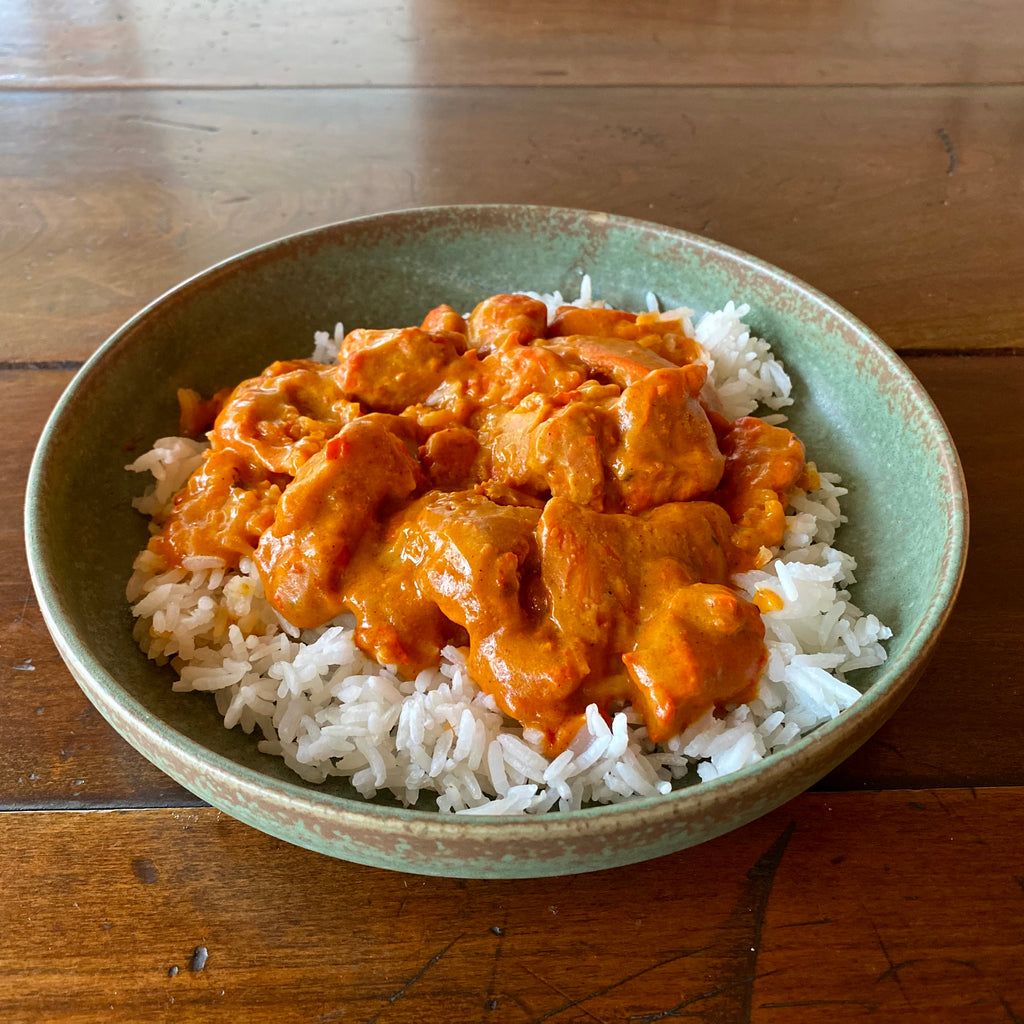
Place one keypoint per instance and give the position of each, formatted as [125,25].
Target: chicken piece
[389,370]
[449,457]
[667,449]
[280,418]
[651,444]
[665,338]
[474,388]
[556,445]
[444,318]
[470,553]
[483,573]
[495,378]
[475,561]
[396,623]
[604,573]
[764,464]
[390,590]
[510,373]
[502,318]
[197,414]
[626,353]
[703,649]
[626,586]
[222,511]
[610,359]
[326,511]
[595,322]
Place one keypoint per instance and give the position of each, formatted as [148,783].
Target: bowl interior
[859,411]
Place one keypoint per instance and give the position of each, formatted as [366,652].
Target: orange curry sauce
[563,499]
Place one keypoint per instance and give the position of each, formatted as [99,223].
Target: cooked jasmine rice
[316,700]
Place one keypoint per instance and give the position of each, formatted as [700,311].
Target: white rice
[328,710]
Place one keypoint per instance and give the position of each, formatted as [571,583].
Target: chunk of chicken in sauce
[623,347]
[221,513]
[501,319]
[763,465]
[280,418]
[613,582]
[327,511]
[563,500]
[612,450]
[390,370]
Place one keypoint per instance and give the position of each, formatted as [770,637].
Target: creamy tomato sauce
[564,499]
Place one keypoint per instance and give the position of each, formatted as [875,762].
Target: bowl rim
[122,709]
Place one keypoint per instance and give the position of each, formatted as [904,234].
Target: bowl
[859,410]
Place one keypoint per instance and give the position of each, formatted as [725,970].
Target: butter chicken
[564,499]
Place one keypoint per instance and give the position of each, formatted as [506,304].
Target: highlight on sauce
[565,500]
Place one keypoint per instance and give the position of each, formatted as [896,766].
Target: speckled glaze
[860,412]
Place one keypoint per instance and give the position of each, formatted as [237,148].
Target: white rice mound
[317,701]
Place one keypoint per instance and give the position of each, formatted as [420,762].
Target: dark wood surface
[875,150]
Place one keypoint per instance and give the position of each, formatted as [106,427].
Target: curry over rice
[563,497]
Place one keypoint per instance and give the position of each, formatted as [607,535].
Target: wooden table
[875,150]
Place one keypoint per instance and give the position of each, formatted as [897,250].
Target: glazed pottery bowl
[859,411]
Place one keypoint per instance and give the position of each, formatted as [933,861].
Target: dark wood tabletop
[875,150]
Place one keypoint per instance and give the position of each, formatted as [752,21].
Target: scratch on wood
[726,1017]
[947,142]
[893,971]
[402,903]
[400,993]
[163,122]
[570,1004]
[748,919]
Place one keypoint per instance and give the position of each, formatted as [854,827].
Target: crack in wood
[747,919]
[491,1000]
[41,364]
[1011,1014]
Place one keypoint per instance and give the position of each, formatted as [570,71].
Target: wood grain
[960,726]
[832,908]
[257,43]
[903,205]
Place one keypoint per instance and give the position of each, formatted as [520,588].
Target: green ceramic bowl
[860,413]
